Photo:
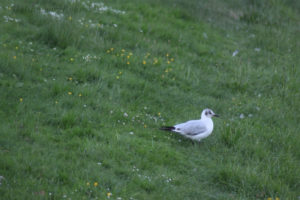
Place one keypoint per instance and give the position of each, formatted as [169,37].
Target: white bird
[195,129]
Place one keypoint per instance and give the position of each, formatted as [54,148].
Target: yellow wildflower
[168,62]
[167,55]
[70,78]
[108,194]
[172,59]
[95,184]
[117,77]
[72,59]
[108,51]
[144,62]
[158,114]
[88,183]
[145,126]
[15,57]
[79,94]
[130,54]
[112,49]
[128,63]
[269,198]
[123,50]
[120,73]
[21,99]
[17,47]
[69,93]
[128,57]
[276,198]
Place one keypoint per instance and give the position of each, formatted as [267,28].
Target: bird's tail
[167,128]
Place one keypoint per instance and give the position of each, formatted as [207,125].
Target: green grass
[83,95]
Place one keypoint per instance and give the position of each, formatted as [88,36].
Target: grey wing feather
[191,128]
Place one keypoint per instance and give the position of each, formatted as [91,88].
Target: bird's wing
[193,127]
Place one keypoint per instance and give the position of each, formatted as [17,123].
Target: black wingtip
[167,128]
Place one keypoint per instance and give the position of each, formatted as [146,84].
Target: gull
[195,129]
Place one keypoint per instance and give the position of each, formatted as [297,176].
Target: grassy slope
[54,142]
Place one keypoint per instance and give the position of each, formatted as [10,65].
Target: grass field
[86,84]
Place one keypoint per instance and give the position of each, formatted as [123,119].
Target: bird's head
[208,113]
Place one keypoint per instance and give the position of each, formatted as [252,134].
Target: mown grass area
[85,85]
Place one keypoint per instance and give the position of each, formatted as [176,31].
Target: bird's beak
[215,115]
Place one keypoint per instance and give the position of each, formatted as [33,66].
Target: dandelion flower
[120,73]
[269,198]
[128,57]
[108,51]
[276,198]
[72,59]
[168,62]
[69,93]
[21,99]
[15,57]
[158,114]
[112,49]
[130,54]
[145,126]
[95,184]
[108,194]
[144,62]
[70,78]
[167,55]
[17,47]
[123,50]
[128,63]
[79,94]
[88,183]
[172,59]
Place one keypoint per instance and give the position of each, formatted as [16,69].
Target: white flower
[242,116]
[235,53]
[125,114]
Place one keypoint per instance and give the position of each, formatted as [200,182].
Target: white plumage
[195,129]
